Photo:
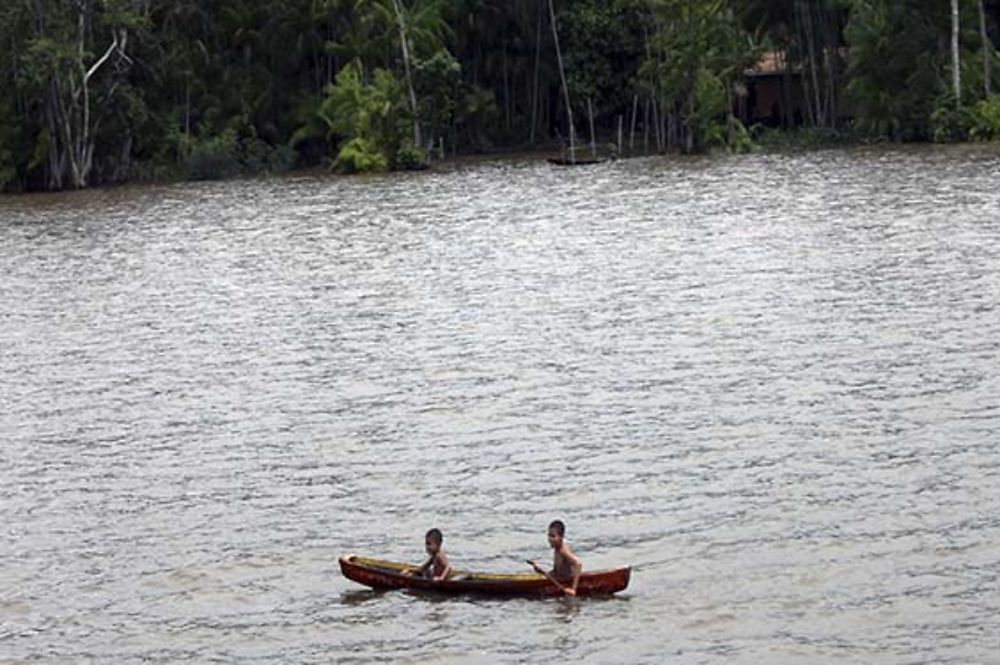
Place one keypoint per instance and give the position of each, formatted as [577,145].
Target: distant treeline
[100,91]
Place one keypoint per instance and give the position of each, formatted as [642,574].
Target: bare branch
[104,58]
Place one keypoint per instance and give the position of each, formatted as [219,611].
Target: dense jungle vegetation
[102,91]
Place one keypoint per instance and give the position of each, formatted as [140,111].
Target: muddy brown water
[769,383]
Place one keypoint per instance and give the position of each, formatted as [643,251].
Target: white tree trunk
[562,75]
[593,138]
[74,116]
[406,68]
[631,135]
[987,50]
[956,72]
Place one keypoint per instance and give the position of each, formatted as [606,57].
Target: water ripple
[770,383]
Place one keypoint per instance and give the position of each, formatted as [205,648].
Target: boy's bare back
[564,562]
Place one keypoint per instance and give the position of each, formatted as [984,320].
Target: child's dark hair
[434,535]
[558,527]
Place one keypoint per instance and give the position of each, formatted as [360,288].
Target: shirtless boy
[437,566]
[565,564]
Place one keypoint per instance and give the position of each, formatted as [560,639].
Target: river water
[771,384]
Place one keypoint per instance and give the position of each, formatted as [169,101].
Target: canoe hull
[579,161]
[386,575]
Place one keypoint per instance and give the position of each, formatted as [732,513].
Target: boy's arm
[577,566]
[443,560]
[427,565]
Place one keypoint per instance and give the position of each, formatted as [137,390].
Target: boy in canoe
[565,564]
[437,567]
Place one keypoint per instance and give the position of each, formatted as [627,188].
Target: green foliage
[360,155]
[603,42]
[369,119]
[984,120]
[11,166]
[803,138]
[438,81]
[214,158]
[948,121]
[477,113]
[707,119]
[256,156]
[347,110]
[310,131]
[426,27]
[213,89]
[697,55]
[738,138]
[900,68]
[8,167]
[411,158]
[229,154]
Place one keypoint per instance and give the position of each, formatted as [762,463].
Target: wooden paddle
[539,569]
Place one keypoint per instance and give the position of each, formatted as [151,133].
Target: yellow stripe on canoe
[487,577]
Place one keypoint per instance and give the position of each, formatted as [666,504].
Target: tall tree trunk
[653,93]
[658,126]
[406,68]
[956,72]
[830,58]
[693,73]
[56,167]
[786,92]
[690,133]
[82,146]
[562,75]
[645,129]
[534,94]
[631,134]
[810,40]
[987,50]
[804,56]
[593,138]
[187,115]
[506,88]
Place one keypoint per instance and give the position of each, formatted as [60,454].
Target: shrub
[984,120]
[708,121]
[368,118]
[803,137]
[8,170]
[228,155]
[410,157]
[740,140]
[213,158]
[949,122]
[256,156]
[359,155]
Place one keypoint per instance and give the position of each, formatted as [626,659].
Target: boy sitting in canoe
[565,564]
[437,567]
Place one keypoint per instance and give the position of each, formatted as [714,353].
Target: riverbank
[766,142]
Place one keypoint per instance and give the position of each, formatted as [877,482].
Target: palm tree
[421,25]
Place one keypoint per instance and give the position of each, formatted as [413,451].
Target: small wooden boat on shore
[579,161]
[386,575]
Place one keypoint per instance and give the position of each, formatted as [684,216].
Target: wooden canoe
[385,575]
[579,161]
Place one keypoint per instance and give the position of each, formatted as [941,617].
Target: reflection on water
[360,596]
[566,609]
[771,383]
